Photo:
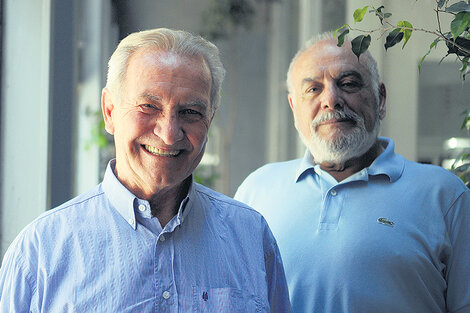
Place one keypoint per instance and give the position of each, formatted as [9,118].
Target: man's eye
[313,89]
[147,108]
[190,112]
[350,86]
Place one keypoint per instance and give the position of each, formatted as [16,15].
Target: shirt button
[142,208]
[162,238]
[131,221]
[333,192]
[166,295]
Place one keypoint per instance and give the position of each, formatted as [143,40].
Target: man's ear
[382,98]
[291,99]
[107,106]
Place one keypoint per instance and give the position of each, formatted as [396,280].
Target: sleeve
[458,271]
[278,294]
[15,283]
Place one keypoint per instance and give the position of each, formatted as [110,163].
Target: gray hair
[366,57]
[177,41]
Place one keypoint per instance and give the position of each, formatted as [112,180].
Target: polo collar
[387,163]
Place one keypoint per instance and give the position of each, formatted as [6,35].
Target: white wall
[25,111]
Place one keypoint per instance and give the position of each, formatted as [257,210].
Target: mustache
[336,115]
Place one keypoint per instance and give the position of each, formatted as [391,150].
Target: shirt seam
[28,276]
[230,202]
[453,203]
[61,208]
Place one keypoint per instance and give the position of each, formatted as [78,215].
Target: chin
[341,147]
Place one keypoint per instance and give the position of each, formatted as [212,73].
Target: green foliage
[461,6]
[407,29]
[341,37]
[459,24]
[360,44]
[433,45]
[99,136]
[457,41]
[359,14]
[205,176]
[381,15]
[393,38]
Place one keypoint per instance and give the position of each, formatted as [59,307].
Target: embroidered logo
[384,221]
[205,296]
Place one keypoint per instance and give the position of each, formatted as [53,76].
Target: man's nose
[169,129]
[331,99]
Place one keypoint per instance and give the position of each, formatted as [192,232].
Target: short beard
[345,146]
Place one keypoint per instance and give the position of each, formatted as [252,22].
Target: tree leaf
[441,3]
[394,37]
[359,14]
[340,28]
[461,6]
[360,44]
[406,30]
[460,24]
[433,44]
[460,41]
[463,73]
[380,14]
[341,37]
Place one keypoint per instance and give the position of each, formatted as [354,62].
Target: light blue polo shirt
[394,237]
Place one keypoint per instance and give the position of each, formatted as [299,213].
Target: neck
[166,203]
[341,171]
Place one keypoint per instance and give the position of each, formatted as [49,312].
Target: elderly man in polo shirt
[360,228]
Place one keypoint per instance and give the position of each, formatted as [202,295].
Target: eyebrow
[355,74]
[150,97]
[308,80]
[193,103]
[197,103]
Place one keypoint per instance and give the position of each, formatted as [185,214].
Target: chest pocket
[225,300]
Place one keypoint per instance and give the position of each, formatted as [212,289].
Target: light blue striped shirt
[103,252]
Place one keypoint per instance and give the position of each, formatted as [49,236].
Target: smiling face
[161,122]
[334,102]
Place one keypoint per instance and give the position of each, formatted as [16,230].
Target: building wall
[25,114]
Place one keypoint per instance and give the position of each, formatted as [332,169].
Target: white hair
[177,41]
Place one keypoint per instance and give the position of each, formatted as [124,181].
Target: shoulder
[71,208]
[432,175]
[434,182]
[223,202]
[269,178]
[230,212]
[59,219]
[271,173]
[275,169]
[234,216]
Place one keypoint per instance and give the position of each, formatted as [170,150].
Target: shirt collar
[387,163]
[121,198]
[127,204]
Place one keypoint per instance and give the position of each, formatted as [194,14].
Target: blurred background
[53,66]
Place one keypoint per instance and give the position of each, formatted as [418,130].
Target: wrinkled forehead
[326,58]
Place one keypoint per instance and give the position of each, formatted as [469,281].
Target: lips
[160,152]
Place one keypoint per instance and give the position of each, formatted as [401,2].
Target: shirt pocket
[225,300]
